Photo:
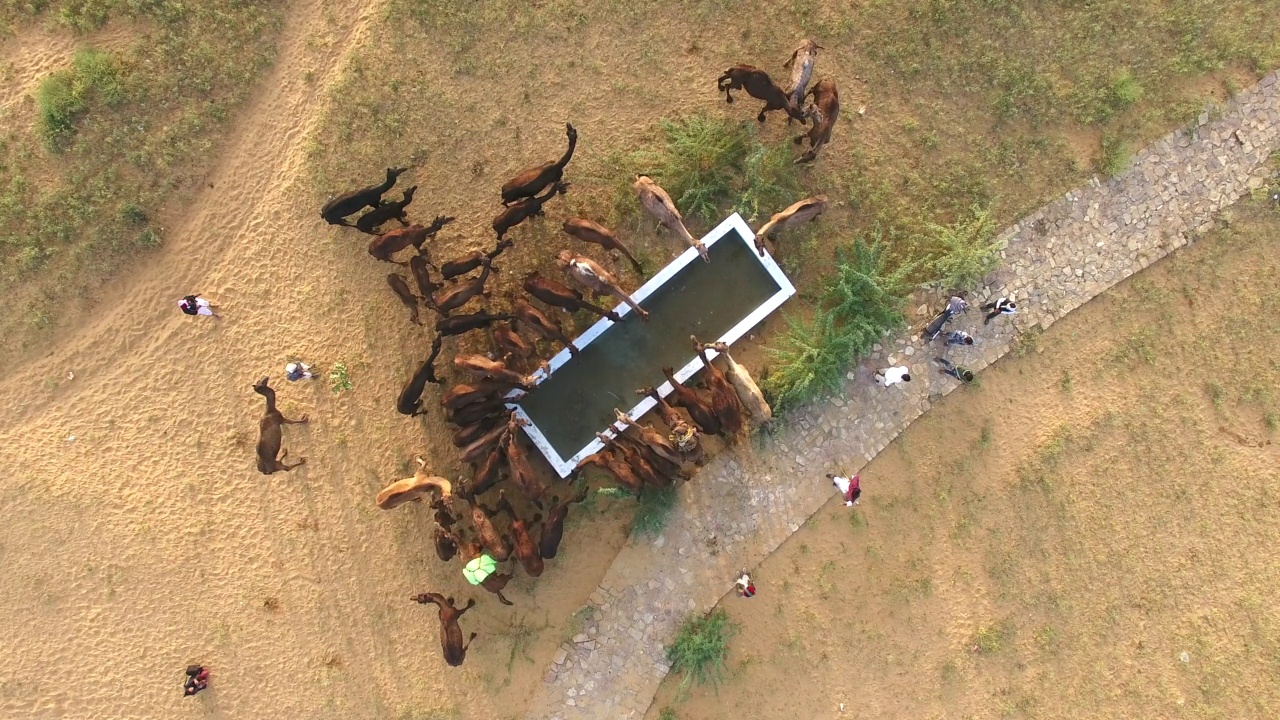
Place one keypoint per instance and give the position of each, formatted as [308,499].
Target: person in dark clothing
[959,372]
[197,680]
[1002,306]
[955,306]
[959,337]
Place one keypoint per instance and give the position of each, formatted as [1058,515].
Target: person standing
[296,371]
[197,680]
[1002,306]
[196,305]
[849,487]
[893,375]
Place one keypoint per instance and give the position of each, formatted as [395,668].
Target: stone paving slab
[745,502]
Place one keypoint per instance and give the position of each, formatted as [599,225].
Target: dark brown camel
[459,324]
[410,400]
[475,412]
[526,548]
[450,633]
[496,545]
[629,454]
[464,436]
[387,244]
[487,474]
[402,291]
[522,210]
[683,435]
[544,326]
[471,261]
[531,181]
[518,462]
[553,526]
[481,446]
[724,399]
[827,103]
[269,437]
[593,232]
[374,219]
[422,276]
[446,543]
[698,408]
[452,298]
[758,85]
[464,394]
[335,211]
[563,296]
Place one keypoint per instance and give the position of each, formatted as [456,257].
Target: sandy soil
[1049,542]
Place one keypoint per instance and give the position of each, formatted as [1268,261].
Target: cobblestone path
[745,502]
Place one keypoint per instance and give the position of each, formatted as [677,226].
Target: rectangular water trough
[717,301]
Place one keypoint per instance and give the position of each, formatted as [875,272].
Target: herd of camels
[487,434]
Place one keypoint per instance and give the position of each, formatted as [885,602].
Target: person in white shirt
[893,375]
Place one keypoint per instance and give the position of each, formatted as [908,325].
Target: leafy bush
[861,301]
[700,648]
[965,251]
[654,511]
[64,96]
[340,377]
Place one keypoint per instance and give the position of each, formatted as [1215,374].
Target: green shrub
[64,96]
[1115,156]
[861,301]
[964,251]
[654,511]
[700,648]
[340,377]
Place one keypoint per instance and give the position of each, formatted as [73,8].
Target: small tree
[700,648]
[965,251]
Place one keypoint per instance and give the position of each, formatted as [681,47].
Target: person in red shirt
[746,588]
[850,487]
[197,680]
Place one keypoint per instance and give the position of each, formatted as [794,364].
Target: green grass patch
[64,96]
[654,511]
[700,648]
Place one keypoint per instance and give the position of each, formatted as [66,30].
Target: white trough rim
[564,466]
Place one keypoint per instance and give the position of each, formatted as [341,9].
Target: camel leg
[760,117]
[300,421]
[799,139]
[618,293]
[468,645]
[287,467]
[502,598]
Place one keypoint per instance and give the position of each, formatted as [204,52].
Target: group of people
[891,376]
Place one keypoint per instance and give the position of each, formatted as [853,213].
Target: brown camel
[563,297]
[410,400]
[699,409]
[724,399]
[422,276]
[518,462]
[460,324]
[513,346]
[758,85]
[464,436]
[522,210]
[494,583]
[496,545]
[796,214]
[531,181]
[387,244]
[446,543]
[450,632]
[592,232]
[487,474]
[608,461]
[481,446]
[386,212]
[553,526]
[402,291]
[827,103]
[684,436]
[526,548]
[336,211]
[659,204]
[472,260]
[455,297]
[544,326]
[660,444]
[591,275]
[269,436]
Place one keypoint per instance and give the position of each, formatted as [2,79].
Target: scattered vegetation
[964,251]
[861,301]
[340,377]
[700,648]
[64,96]
[1114,156]
[654,511]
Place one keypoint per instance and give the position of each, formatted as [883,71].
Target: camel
[758,85]
[553,526]
[481,446]
[591,275]
[531,181]
[801,65]
[410,400]
[460,324]
[387,244]
[411,489]
[513,346]
[422,276]
[724,399]
[518,462]
[495,544]
[464,394]
[526,548]
[269,436]
[699,410]
[487,473]
[462,293]
[402,291]
[661,446]
[667,470]
[796,214]
[609,462]
[471,261]
[563,297]
[748,392]
[592,232]
[475,412]
[336,211]
[544,326]
[446,543]
[522,210]
[450,632]
[636,460]
[826,102]
[395,210]
[464,436]
[658,203]
[683,435]
[483,368]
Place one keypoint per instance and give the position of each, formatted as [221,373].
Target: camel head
[564,258]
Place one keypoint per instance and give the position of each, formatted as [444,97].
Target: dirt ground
[138,538]
[1049,542]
